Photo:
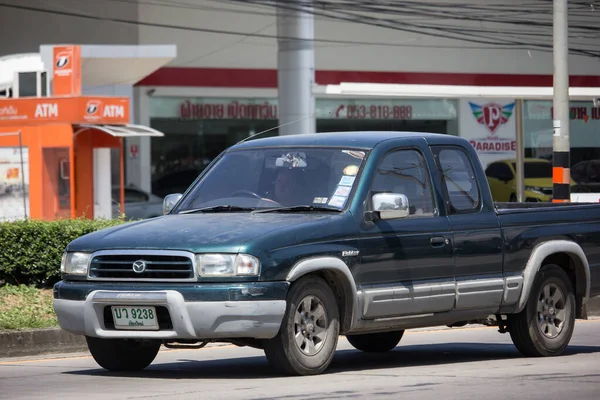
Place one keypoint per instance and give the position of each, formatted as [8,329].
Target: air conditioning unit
[30,84]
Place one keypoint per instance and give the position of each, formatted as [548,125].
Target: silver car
[138,204]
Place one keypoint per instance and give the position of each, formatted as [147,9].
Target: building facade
[222,87]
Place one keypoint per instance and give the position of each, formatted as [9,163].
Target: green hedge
[30,251]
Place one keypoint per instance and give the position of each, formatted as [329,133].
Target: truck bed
[525,225]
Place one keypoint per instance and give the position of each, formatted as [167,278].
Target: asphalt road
[472,363]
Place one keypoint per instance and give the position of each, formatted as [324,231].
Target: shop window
[198,129]
[584,125]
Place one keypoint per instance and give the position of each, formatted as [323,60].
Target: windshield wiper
[224,208]
[297,208]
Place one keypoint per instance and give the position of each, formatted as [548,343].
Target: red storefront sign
[269,111]
[232,110]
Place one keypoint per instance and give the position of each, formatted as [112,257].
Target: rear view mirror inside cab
[390,205]
[292,160]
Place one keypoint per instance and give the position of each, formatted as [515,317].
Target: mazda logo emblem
[139,266]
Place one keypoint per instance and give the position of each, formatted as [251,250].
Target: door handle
[438,241]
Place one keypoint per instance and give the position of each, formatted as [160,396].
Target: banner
[88,109]
[490,127]
[267,109]
[14,197]
[67,71]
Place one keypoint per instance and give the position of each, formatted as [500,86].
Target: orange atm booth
[55,151]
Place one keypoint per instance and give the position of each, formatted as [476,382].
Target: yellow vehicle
[502,179]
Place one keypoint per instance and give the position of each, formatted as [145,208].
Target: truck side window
[459,179]
[405,172]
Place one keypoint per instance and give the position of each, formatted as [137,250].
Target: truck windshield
[252,179]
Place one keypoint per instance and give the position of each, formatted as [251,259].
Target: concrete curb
[593,307]
[38,342]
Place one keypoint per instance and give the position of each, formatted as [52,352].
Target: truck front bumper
[185,311]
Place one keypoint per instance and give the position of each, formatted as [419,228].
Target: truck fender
[539,254]
[343,278]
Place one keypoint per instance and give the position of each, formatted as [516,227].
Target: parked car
[587,176]
[138,203]
[285,243]
[502,178]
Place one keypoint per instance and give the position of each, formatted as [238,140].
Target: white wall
[28,29]
[199,49]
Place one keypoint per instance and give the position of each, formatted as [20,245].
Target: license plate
[141,318]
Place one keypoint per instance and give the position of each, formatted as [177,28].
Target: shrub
[31,251]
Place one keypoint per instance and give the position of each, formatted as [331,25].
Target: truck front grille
[142,266]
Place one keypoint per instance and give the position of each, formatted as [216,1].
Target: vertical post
[561,174]
[122,175]
[23,175]
[520,150]
[296,67]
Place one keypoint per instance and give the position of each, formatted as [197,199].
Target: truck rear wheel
[122,354]
[307,339]
[375,342]
[545,326]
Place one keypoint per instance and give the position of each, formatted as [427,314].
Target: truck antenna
[270,129]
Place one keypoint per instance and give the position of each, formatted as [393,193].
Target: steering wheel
[246,192]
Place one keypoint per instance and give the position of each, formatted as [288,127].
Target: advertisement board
[14,197]
[489,125]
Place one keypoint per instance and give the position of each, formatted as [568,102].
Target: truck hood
[214,232]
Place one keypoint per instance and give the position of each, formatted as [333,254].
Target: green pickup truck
[285,243]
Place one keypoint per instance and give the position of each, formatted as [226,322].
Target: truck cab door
[407,264]
[476,230]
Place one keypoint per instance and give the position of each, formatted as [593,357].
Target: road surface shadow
[344,361]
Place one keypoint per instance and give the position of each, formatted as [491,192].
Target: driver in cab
[287,187]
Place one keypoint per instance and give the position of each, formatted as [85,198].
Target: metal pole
[520,150]
[296,68]
[23,175]
[561,175]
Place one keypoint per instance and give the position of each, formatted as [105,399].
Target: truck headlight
[75,263]
[227,265]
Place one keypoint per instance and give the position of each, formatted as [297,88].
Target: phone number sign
[268,109]
[377,112]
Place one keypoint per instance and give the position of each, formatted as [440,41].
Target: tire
[290,350]
[122,354]
[534,337]
[376,342]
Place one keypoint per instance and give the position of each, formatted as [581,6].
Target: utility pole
[296,67]
[561,175]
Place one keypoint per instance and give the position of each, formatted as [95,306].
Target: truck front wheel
[122,354]
[545,326]
[309,331]
[375,342]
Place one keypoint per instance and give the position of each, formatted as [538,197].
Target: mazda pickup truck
[285,243]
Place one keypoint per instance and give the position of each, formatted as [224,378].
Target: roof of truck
[357,139]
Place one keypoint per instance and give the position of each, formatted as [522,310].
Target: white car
[138,204]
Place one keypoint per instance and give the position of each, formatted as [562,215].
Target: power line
[474,35]
[233,33]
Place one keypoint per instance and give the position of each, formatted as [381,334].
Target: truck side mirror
[170,201]
[391,205]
